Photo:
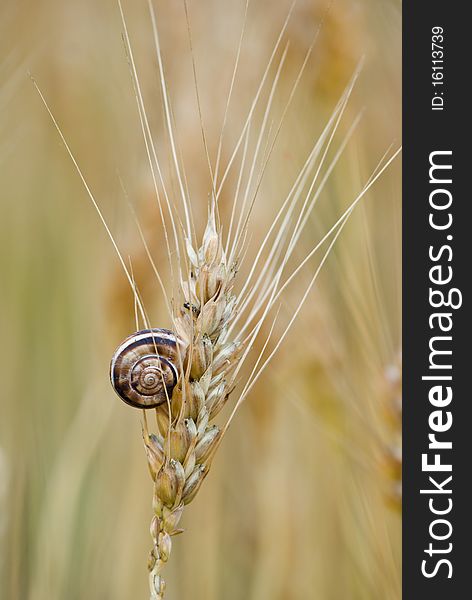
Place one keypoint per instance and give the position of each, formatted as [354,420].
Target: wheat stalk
[180,452]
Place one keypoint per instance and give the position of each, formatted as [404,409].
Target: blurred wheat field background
[303,498]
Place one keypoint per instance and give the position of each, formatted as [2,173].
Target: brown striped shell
[144,368]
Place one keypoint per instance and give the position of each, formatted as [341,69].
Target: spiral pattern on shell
[144,368]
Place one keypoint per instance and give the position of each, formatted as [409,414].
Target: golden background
[303,500]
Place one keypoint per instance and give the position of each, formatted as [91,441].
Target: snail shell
[143,370]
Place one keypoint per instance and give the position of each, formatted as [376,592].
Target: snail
[144,368]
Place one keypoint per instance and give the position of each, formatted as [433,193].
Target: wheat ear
[180,452]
